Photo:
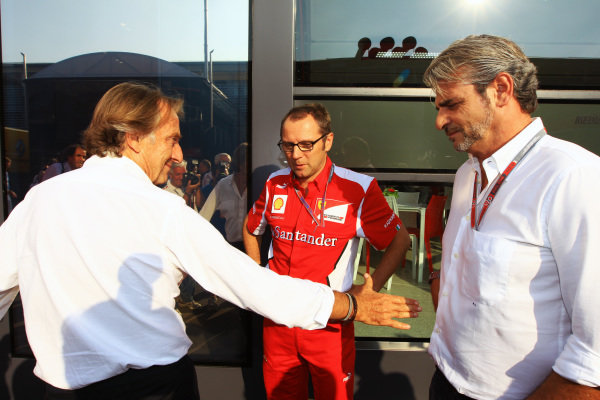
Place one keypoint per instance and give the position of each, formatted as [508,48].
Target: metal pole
[211,91]
[205,40]
[25,112]
[24,64]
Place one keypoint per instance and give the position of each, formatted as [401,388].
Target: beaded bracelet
[352,308]
[434,275]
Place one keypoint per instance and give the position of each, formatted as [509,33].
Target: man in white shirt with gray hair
[518,298]
[183,183]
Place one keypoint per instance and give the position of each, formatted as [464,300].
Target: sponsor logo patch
[335,210]
[389,221]
[278,205]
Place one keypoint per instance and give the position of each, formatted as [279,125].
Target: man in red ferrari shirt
[317,212]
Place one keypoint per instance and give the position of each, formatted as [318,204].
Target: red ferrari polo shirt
[322,248]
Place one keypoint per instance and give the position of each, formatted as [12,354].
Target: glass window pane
[389,135]
[392,135]
[400,38]
[60,57]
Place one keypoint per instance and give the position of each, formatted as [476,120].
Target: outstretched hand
[381,309]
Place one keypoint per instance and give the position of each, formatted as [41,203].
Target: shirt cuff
[324,313]
[579,363]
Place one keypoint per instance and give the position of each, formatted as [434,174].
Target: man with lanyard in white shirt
[97,255]
[518,298]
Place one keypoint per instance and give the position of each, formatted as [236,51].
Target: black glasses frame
[303,146]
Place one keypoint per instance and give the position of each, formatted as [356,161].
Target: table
[421,259]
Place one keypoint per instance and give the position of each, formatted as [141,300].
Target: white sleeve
[210,205]
[227,272]
[574,232]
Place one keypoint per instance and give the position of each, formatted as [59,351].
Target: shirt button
[437,330]
[455,255]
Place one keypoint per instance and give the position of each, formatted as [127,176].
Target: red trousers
[290,354]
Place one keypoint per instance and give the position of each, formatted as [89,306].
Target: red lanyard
[301,198]
[486,204]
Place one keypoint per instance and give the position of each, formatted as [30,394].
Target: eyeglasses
[288,147]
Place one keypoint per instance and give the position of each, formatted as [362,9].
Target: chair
[391,200]
[407,198]
[392,203]
[361,244]
[434,224]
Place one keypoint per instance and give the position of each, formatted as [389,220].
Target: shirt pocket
[486,272]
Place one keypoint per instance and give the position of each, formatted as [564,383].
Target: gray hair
[478,60]
[179,164]
[222,155]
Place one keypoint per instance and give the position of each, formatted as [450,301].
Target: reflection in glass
[396,41]
[53,76]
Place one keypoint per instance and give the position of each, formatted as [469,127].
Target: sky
[542,28]
[173,30]
[53,30]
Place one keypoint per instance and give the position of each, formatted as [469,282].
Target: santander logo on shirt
[319,240]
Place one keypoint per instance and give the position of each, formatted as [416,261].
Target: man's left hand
[382,309]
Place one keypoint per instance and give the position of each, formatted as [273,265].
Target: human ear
[133,142]
[503,85]
[329,141]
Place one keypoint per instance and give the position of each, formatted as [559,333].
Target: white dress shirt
[169,187]
[98,254]
[519,296]
[232,205]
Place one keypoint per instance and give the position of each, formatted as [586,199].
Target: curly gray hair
[478,60]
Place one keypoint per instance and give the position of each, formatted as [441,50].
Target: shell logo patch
[279,202]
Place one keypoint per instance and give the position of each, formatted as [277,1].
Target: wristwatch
[434,275]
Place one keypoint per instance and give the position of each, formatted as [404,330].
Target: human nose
[441,119]
[296,152]
[177,153]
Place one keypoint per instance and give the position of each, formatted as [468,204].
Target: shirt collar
[173,187]
[123,164]
[229,181]
[498,161]
[321,181]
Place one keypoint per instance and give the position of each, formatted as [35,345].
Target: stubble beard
[474,132]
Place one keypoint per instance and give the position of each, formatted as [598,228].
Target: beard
[474,131]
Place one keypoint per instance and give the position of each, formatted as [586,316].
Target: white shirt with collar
[98,254]
[169,187]
[519,296]
[232,205]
